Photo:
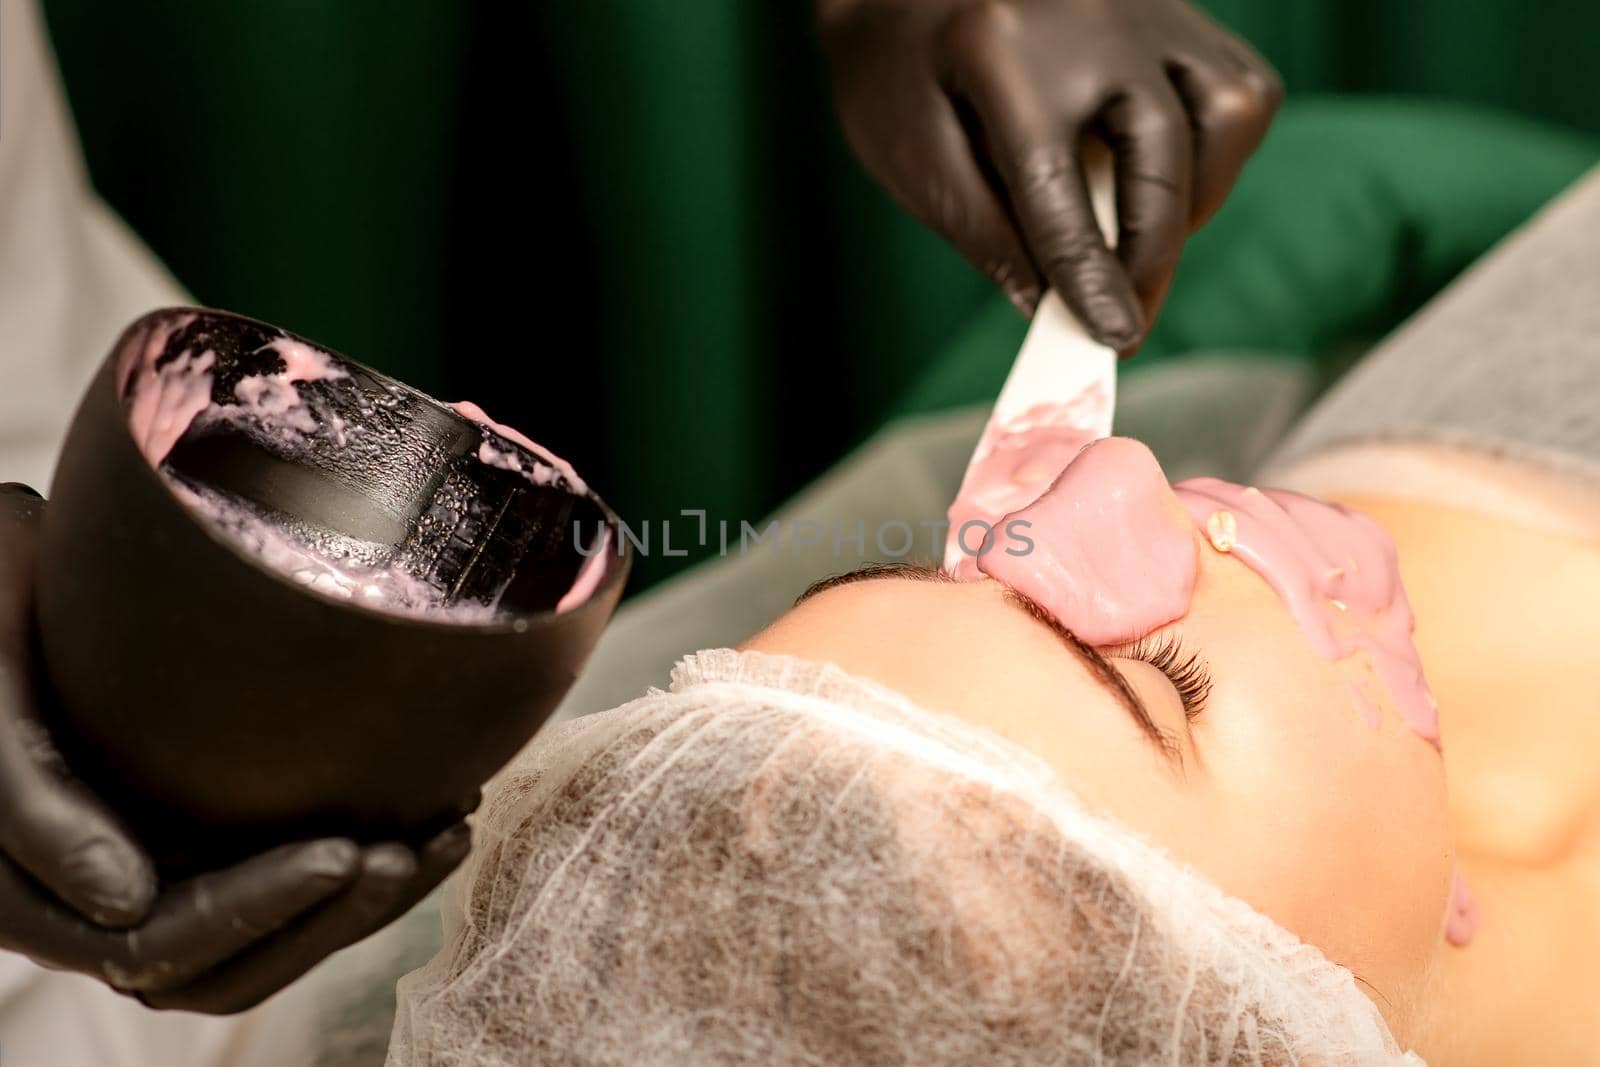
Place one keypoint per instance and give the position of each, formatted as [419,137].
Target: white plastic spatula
[1059,363]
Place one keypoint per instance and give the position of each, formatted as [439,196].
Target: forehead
[948,645]
[964,649]
[903,605]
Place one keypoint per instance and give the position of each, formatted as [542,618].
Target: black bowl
[221,705]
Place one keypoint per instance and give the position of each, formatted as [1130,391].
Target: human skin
[1283,794]
[1506,628]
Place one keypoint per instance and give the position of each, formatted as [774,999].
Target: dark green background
[631,227]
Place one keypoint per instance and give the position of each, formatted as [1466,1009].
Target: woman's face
[1276,786]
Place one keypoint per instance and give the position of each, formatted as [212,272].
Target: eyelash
[1187,672]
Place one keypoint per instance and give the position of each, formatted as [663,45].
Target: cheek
[1379,840]
[1339,828]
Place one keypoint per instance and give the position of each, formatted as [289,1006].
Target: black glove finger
[1230,111]
[1148,133]
[391,882]
[1248,66]
[1036,150]
[49,825]
[1202,40]
[213,917]
[54,830]
[947,190]
[190,928]
[40,927]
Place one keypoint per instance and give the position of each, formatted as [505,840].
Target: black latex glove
[972,114]
[77,894]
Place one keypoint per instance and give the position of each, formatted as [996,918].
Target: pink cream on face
[1336,571]
[1114,557]
[1016,462]
[1113,554]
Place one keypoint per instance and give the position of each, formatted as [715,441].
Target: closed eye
[1189,674]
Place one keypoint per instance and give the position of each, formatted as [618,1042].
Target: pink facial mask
[1335,570]
[1113,555]
[1015,462]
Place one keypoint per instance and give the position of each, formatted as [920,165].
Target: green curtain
[628,226]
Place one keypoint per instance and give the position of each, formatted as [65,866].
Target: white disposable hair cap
[775,862]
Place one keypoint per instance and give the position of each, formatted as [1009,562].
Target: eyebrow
[908,571]
[1103,672]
